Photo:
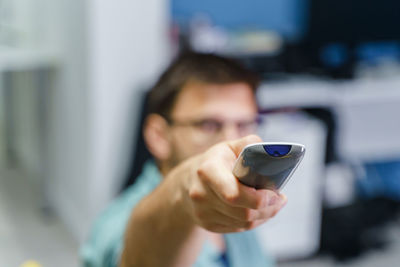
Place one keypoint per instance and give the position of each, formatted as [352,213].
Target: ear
[156,136]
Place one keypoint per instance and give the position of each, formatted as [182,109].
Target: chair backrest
[140,154]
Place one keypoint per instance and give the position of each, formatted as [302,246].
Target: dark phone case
[268,165]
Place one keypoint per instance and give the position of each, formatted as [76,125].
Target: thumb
[238,144]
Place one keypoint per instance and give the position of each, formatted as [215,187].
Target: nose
[230,131]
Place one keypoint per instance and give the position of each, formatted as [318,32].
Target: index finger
[226,186]
[237,145]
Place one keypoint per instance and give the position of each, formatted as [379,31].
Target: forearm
[160,232]
[168,227]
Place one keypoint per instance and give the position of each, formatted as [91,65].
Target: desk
[366,112]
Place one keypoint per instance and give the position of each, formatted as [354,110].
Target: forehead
[225,101]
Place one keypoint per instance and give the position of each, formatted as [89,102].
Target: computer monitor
[352,22]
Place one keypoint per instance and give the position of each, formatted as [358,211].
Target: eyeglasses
[211,130]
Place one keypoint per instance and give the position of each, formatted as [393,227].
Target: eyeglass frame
[219,124]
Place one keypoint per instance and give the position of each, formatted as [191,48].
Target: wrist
[178,200]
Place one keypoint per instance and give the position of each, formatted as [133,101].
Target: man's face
[205,114]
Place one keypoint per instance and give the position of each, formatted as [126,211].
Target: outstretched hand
[214,198]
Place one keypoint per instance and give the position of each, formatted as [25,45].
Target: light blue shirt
[105,243]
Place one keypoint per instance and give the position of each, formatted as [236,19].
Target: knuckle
[260,202]
[202,171]
[248,215]
[231,198]
[196,195]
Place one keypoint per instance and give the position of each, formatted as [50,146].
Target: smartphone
[268,165]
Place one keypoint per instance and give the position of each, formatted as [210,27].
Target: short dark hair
[201,67]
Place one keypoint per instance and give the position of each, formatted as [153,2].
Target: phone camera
[277,150]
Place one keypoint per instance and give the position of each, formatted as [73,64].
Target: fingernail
[273,200]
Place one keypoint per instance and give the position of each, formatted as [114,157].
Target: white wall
[107,52]
[69,163]
[127,49]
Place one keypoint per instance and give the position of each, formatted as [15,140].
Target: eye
[209,126]
[248,126]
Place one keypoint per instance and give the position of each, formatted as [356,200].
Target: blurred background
[72,80]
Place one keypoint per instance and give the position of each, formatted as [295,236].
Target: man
[187,208]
